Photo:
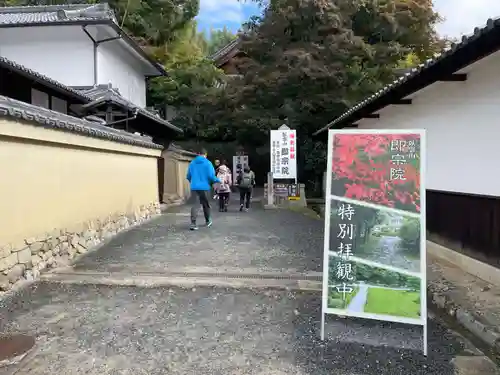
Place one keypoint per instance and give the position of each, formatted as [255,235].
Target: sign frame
[276,136]
[329,198]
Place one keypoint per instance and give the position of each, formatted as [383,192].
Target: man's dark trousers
[245,196]
[201,199]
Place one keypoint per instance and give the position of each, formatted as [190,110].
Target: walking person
[201,176]
[246,183]
[224,188]
[216,166]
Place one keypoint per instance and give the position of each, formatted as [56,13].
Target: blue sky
[230,13]
[461,16]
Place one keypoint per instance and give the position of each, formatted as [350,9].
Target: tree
[371,179]
[410,236]
[309,60]
[192,81]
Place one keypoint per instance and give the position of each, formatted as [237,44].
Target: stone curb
[23,284]
[440,301]
[163,207]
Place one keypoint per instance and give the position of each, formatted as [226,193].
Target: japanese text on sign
[346,232]
[401,152]
[283,154]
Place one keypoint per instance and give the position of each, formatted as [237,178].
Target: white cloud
[462,16]
[220,11]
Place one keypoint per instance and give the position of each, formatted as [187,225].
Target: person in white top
[224,187]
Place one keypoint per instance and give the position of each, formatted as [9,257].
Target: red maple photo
[383,169]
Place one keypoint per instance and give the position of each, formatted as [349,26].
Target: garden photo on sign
[382,169]
[378,235]
[363,290]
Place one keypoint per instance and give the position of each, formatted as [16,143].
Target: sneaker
[246,209]
[193,227]
[241,207]
[209,223]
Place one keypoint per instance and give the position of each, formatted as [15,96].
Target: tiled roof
[44,80]
[58,121]
[473,41]
[228,48]
[102,94]
[175,148]
[49,13]
[65,14]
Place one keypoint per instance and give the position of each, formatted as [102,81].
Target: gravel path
[357,304]
[108,330]
[258,240]
[104,331]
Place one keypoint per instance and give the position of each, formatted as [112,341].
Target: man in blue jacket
[201,176]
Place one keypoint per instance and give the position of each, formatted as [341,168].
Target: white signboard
[239,162]
[283,153]
[375,244]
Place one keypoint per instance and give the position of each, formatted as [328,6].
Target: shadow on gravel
[103,330]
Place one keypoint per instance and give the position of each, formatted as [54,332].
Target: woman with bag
[224,188]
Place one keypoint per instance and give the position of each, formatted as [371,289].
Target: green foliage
[193,84]
[379,276]
[155,22]
[189,70]
[410,236]
[309,60]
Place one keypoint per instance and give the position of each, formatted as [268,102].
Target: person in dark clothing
[201,176]
[246,183]
[216,166]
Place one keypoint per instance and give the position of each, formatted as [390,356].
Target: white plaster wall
[463,130]
[63,53]
[118,67]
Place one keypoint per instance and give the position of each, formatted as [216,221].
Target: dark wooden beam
[372,115]
[458,77]
[402,101]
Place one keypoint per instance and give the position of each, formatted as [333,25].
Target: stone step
[154,279]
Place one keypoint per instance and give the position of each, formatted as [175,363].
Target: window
[39,98]
[59,105]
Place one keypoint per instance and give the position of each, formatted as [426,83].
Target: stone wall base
[59,248]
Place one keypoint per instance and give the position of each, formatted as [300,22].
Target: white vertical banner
[239,163]
[374,264]
[284,153]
